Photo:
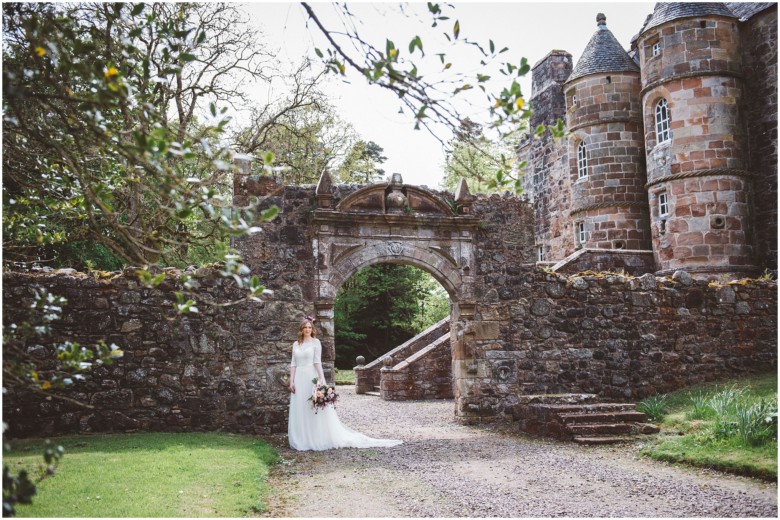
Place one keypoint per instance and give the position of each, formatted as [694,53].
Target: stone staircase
[582,419]
[368,377]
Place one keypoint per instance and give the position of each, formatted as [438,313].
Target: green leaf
[456,29]
[137,10]
[201,37]
[416,43]
[482,77]
[268,158]
[187,57]
[213,108]
[318,52]
[492,47]
[270,213]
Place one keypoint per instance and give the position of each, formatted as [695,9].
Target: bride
[307,430]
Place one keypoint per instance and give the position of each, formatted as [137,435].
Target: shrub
[699,407]
[756,423]
[654,407]
[724,403]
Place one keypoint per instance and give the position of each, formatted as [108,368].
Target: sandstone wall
[759,57]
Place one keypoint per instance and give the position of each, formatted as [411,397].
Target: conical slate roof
[603,54]
[667,11]
[745,10]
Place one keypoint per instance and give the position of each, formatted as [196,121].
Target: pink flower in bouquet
[322,396]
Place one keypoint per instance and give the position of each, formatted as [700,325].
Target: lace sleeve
[318,352]
[292,363]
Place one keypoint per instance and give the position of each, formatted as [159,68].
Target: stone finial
[396,201]
[601,20]
[323,191]
[360,360]
[463,197]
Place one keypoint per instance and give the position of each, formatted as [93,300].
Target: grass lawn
[694,433]
[148,475]
[345,377]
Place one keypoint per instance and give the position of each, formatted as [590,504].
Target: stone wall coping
[418,355]
[406,220]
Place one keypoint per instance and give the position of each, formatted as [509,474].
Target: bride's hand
[292,388]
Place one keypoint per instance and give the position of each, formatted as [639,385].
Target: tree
[361,166]
[102,141]
[383,305]
[473,157]
[121,110]
[303,142]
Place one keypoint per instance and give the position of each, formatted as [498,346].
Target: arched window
[662,117]
[582,161]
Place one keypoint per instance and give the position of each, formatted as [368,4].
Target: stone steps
[603,440]
[581,419]
[375,392]
[605,417]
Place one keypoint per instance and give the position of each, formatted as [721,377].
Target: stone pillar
[325,327]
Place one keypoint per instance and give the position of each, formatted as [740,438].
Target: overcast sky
[530,30]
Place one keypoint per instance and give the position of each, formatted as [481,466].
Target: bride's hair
[300,330]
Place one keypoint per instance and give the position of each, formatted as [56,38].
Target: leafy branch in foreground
[434,99]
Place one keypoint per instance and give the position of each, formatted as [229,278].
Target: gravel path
[447,470]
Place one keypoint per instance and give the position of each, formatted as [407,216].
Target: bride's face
[306,329]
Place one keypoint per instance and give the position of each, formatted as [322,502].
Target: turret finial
[601,20]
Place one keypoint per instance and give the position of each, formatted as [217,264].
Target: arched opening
[382,306]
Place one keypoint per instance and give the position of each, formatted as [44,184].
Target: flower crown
[310,319]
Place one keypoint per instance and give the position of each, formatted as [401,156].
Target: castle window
[540,253]
[663,204]
[656,48]
[662,117]
[582,161]
[574,99]
[579,233]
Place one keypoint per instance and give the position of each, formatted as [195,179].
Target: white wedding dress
[323,430]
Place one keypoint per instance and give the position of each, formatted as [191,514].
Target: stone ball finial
[601,19]
[388,361]
[360,360]
[396,201]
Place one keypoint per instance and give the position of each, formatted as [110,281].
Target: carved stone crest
[394,248]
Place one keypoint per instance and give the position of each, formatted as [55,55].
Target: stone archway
[394,223]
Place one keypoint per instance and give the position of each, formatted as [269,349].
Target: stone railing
[426,374]
[630,261]
[367,377]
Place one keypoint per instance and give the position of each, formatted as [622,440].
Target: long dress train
[323,430]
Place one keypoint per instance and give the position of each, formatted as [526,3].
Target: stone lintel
[463,222]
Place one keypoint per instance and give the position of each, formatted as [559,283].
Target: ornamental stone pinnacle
[323,191]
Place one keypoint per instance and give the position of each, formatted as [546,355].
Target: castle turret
[606,157]
[698,183]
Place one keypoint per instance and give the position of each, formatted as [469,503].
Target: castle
[670,158]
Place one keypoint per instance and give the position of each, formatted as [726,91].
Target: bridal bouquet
[322,396]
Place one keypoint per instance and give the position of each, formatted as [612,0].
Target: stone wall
[759,62]
[619,337]
[547,177]
[426,374]
[522,331]
[223,368]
